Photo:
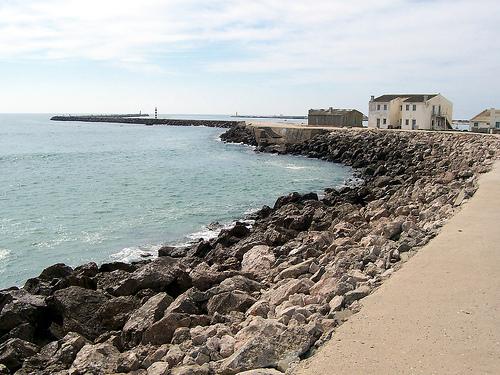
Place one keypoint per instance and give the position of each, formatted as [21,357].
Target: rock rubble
[256,299]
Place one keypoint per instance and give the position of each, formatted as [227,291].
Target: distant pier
[272,117]
[145,120]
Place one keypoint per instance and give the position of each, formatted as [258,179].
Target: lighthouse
[156,113]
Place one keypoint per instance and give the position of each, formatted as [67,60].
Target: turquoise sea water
[77,192]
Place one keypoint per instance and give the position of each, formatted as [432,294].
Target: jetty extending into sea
[144,120]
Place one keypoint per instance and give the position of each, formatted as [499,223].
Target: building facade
[487,121]
[410,112]
[335,117]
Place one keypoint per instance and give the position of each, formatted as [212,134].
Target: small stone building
[335,117]
[487,121]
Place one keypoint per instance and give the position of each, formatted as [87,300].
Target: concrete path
[440,314]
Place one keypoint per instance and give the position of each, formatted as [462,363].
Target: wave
[135,254]
[295,167]
[4,253]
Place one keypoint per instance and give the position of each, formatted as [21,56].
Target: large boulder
[144,317]
[162,331]
[204,277]
[18,307]
[54,357]
[162,274]
[268,343]
[226,302]
[258,261]
[228,237]
[96,359]
[13,352]
[77,307]
[114,313]
[280,293]
[191,370]
[158,368]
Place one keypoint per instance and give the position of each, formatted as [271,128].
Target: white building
[410,112]
[487,121]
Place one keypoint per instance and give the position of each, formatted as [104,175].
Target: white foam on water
[205,233]
[295,167]
[251,211]
[135,254]
[4,253]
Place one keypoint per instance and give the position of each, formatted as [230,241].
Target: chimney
[426,97]
[372,98]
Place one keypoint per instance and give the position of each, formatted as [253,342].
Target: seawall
[149,121]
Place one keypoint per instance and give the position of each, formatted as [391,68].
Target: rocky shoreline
[257,299]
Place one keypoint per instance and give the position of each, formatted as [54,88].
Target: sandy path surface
[440,314]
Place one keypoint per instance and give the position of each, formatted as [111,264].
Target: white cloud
[325,36]
[380,44]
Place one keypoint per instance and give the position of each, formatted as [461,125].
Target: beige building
[410,112]
[487,121]
[335,117]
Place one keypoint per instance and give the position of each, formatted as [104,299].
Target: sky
[251,57]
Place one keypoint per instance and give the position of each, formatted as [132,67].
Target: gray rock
[336,303]
[267,343]
[95,359]
[295,270]
[356,294]
[158,368]
[258,261]
[174,356]
[191,370]
[261,371]
[163,330]
[144,317]
[224,303]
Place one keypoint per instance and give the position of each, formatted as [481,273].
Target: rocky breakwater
[144,120]
[258,298]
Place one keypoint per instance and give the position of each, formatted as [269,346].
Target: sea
[76,192]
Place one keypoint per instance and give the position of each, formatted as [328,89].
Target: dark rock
[18,307]
[172,251]
[14,351]
[77,308]
[114,266]
[113,314]
[162,274]
[57,271]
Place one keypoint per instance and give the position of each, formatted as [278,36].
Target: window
[400,107]
[407,107]
[433,109]
[385,121]
[385,107]
[414,107]
[497,125]
[378,107]
[378,122]
[407,122]
[413,122]
[476,124]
